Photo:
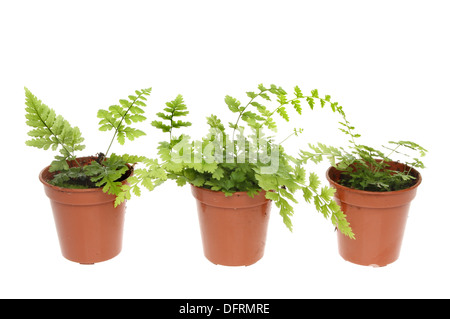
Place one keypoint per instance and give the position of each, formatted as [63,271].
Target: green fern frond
[120,117]
[51,131]
[175,108]
[150,177]
[107,174]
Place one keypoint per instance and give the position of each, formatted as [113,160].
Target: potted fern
[235,177]
[86,193]
[374,192]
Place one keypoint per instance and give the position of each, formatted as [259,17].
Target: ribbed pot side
[378,220]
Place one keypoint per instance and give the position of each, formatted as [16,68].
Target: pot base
[241,264]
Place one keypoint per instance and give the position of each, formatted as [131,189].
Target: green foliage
[119,117]
[174,109]
[364,167]
[51,131]
[155,173]
[150,177]
[109,173]
[240,162]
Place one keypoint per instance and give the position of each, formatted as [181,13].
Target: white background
[385,62]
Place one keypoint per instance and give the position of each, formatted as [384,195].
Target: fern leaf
[283,113]
[232,103]
[175,108]
[120,117]
[51,131]
[314,181]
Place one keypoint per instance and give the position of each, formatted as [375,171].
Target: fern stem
[171,128]
[242,112]
[377,169]
[347,124]
[112,140]
[287,102]
[286,138]
[121,121]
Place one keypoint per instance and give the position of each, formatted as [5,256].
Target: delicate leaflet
[51,130]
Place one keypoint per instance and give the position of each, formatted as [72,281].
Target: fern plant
[366,168]
[49,130]
[237,162]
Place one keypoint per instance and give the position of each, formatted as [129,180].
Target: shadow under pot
[89,227]
[233,228]
[378,220]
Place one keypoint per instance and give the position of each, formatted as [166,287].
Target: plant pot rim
[215,192]
[236,200]
[387,193]
[72,190]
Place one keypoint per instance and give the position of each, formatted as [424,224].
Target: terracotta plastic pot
[378,220]
[233,228]
[89,227]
